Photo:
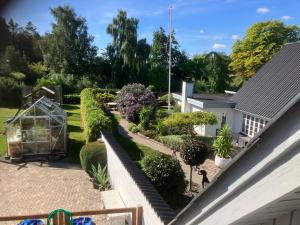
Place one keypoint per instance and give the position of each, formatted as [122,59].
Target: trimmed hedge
[183,123]
[72,99]
[93,116]
[166,174]
[92,154]
[175,142]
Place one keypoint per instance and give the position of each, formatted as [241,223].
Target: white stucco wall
[122,181]
[210,130]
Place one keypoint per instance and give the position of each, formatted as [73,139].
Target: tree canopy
[68,48]
[261,42]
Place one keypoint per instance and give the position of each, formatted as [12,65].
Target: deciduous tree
[261,42]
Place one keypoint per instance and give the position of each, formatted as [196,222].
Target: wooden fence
[135,212]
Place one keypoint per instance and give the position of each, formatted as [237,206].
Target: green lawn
[5,113]
[135,151]
[76,138]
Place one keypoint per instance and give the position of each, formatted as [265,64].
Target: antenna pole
[170,57]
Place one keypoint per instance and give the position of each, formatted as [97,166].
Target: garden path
[208,165]
[40,187]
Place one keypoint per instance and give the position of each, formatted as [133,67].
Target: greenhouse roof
[48,107]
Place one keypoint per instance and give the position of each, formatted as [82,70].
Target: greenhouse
[41,129]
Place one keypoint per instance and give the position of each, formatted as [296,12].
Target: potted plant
[223,147]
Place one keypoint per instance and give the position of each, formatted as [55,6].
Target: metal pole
[170,57]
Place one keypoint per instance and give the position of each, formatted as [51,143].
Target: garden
[147,117]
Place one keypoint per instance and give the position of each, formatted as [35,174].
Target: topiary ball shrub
[132,98]
[92,154]
[166,174]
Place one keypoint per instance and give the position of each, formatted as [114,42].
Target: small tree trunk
[191,173]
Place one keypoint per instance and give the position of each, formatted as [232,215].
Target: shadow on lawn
[70,107]
[74,148]
[73,128]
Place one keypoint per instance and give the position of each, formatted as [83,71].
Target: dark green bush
[150,133]
[133,128]
[10,92]
[93,116]
[145,117]
[72,99]
[92,154]
[166,174]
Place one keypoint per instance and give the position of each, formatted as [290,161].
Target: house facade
[256,103]
[261,186]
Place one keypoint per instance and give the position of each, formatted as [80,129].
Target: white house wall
[210,130]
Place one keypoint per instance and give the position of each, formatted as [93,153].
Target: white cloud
[235,37]
[218,46]
[263,10]
[201,31]
[286,17]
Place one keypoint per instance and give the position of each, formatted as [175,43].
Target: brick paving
[36,187]
[208,165]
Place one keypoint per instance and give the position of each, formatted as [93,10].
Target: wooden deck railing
[136,213]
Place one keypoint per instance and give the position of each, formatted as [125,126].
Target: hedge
[94,117]
[175,142]
[183,123]
[92,154]
[166,174]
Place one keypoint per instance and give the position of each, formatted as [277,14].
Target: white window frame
[252,124]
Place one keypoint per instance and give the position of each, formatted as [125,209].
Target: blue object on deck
[83,221]
[31,222]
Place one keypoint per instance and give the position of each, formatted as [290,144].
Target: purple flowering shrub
[132,98]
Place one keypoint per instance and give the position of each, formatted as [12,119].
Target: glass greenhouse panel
[40,129]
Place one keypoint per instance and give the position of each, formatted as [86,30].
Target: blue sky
[200,25]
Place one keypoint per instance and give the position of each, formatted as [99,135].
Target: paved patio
[35,187]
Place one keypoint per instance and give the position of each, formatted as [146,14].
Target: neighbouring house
[256,103]
[261,186]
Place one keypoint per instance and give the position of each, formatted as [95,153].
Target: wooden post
[139,215]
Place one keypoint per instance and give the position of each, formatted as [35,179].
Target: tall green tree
[159,57]
[128,55]
[68,48]
[261,42]
[217,71]
[5,35]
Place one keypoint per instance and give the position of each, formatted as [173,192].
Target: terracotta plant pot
[221,162]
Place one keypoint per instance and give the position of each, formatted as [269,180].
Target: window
[251,125]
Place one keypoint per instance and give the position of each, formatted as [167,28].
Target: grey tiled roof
[164,212]
[273,86]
